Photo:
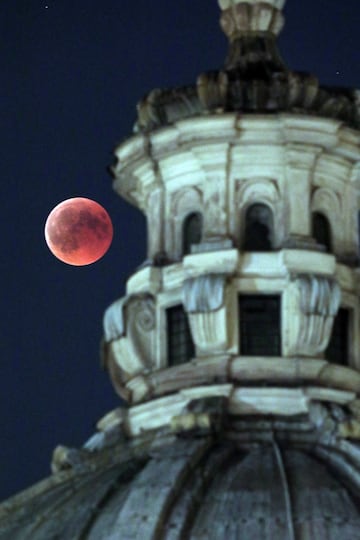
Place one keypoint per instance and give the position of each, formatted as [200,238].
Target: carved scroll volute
[129,339]
[310,305]
[204,301]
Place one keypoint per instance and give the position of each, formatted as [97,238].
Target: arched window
[321,230]
[258,228]
[192,227]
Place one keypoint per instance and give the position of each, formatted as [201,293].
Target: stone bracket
[204,299]
[129,338]
[311,303]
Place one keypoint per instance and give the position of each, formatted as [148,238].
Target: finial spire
[253,79]
[241,17]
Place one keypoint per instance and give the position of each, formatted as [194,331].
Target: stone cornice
[246,372]
[138,160]
[221,92]
[280,264]
[322,382]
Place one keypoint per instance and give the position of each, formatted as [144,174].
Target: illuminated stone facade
[235,164]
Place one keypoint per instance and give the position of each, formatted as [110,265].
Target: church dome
[189,487]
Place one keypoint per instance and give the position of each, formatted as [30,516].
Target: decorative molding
[212,89]
[226,4]
[258,190]
[130,339]
[265,401]
[311,303]
[209,331]
[281,89]
[204,301]
[205,293]
[327,201]
[113,321]
[185,201]
[209,262]
[183,410]
[332,381]
[244,17]
[158,108]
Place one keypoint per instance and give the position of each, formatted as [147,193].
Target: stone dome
[195,485]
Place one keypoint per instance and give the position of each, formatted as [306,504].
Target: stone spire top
[253,79]
[253,16]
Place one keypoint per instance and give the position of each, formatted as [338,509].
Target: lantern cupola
[249,181]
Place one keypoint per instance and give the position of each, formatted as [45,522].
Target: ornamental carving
[249,191]
[163,107]
[204,300]
[204,293]
[185,201]
[129,337]
[327,201]
[311,305]
[212,89]
[246,17]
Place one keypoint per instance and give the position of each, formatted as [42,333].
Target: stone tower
[236,346]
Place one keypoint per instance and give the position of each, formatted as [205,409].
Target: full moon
[78,231]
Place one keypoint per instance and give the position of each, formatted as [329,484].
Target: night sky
[71,74]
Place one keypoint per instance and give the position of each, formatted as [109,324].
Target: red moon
[78,231]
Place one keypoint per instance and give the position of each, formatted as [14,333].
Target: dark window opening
[191,231]
[260,332]
[258,228]
[338,348]
[321,230]
[180,344]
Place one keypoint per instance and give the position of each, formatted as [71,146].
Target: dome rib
[189,487]
[153,491]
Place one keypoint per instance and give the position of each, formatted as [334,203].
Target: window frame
[270,295]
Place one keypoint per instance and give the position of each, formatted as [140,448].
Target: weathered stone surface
[194,487]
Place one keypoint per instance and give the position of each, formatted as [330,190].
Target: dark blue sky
[71,74]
